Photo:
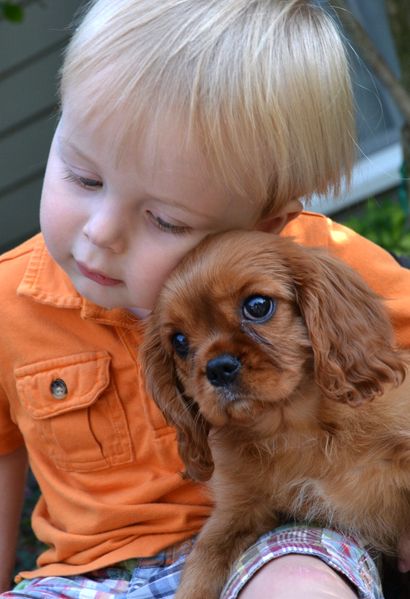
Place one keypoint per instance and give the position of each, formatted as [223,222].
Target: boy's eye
[82,181]
[167,227]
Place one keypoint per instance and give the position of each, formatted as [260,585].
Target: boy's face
[119,226]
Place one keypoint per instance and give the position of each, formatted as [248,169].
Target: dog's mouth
[228,389]
[218,403]
[224,374]
[228,395]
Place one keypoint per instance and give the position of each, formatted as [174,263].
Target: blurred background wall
[30,56]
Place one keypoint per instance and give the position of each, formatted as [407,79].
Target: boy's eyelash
[82,181]
[168,227]
[158,222]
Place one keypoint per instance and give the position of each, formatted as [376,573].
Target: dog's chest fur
[331,474]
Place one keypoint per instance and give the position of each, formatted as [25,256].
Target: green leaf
[12,12]
[405,244]
[385,223]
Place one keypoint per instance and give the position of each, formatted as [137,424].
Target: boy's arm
[13,471]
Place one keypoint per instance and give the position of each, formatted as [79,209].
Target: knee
[295,576]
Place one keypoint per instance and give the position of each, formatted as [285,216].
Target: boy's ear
[275,223]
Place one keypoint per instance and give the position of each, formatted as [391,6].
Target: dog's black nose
[222,370]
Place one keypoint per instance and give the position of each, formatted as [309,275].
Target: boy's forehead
[171,163]
[163,142]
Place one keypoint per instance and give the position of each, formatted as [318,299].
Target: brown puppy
[264,356]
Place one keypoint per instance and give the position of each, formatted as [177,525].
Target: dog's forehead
[225,269]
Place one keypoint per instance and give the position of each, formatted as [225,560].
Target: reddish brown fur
[297,434]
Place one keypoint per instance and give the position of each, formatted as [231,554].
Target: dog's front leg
[222,540]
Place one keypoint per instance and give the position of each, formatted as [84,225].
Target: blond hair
[262,84]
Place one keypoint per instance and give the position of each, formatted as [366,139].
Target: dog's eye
[258,308]
[180,344]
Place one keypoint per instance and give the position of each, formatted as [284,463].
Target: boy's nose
[106,231]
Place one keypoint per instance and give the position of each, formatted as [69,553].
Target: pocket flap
[80,378]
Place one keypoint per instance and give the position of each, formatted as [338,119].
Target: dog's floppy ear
[349,329]
[179,411]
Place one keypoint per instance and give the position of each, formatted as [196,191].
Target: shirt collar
[45,282]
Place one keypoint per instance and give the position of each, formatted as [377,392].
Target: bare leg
[296,576]
[222,540]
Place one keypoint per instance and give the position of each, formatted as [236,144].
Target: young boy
[180,118]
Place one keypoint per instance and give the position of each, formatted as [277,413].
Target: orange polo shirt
[71,391]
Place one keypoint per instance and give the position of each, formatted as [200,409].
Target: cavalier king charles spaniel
[264,355]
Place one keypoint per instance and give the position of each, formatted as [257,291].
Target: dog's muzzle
[223,370]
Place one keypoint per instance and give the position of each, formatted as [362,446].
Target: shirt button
[58,389]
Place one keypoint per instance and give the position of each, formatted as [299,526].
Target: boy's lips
[97,277]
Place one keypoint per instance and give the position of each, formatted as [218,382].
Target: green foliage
[12,11]
[28,547]
[386,223]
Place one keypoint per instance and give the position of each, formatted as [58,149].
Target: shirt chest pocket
[71,407]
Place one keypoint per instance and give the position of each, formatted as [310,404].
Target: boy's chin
[100,298]
[104,302]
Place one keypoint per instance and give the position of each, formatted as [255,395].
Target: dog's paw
[199,585]
[185,592]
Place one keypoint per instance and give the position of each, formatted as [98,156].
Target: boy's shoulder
[377,266]
[309,228]
[29,271]
[17,263]
[21,252]
[14,265]
[14,262]
[318,230]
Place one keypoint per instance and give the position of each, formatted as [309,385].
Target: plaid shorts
[345,555]
[158,577]
[154,577]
